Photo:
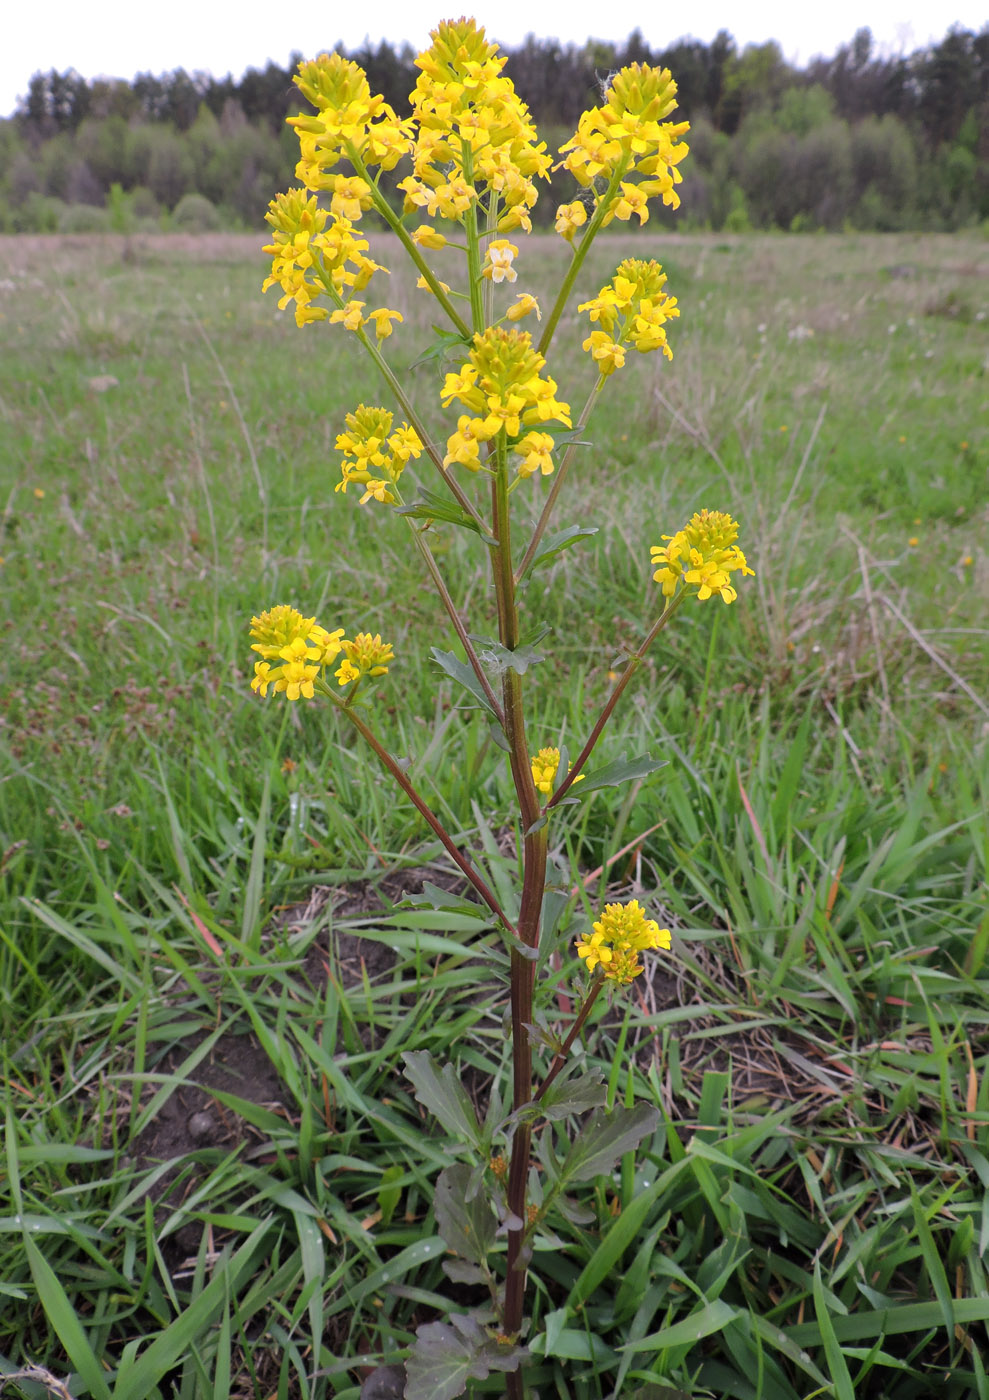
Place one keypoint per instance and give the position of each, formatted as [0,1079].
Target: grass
[810,1217]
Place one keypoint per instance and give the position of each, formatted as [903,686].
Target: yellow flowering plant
[475,162]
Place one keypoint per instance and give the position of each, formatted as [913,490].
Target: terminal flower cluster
[631,310]
[303,649]
[627,137]
[502,386]
[545,765]
[618,937]
[349,124]
[702,556]
[374,456]
[475,140]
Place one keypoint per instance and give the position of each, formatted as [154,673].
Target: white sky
[118,39]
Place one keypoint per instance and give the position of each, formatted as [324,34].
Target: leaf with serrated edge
[606,1137]
[467,1226]
[621,771]
[575,1096]
[459,671]
[444,1358]
[444,1096]
[561,540]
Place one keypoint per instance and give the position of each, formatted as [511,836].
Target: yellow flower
[544,766]
[502,386]
[349,315]
[618,937]
[525,304]
[382,319]
[301,645]
[703,555]
[373,456]
[606,353]
[424,286]
[913,541]
[569,218]
[428,237]
[535,449]
[366,656]
[498,267]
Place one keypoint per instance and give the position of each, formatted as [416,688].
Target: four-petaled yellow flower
[301,645]
[498,267]
[702,556]
[618,937]
[525,304]
[374,456]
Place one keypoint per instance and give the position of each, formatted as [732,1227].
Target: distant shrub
[197,214]
[83,218]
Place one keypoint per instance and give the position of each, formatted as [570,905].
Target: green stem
[559,477]
[579,254]
[533,887]
[635,661]
[396,225]
[455,618]
[560,1058]
[398,773]
[474,279]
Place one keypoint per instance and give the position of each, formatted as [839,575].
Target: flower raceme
[304,649]
[544,766]
[702,556]
[502,386]
[617,939]
[631,310]
[374,456]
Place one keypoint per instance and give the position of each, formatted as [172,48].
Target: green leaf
[713,1317]
[560,540]
[467,1226]
[444,1096]
[65,1322]
[445,1357]
[574,1096]
[446,343]
[837,1366]
[462,673]
[436,507]
[604,1138]
[613,774]
[390,1192]
[501,659]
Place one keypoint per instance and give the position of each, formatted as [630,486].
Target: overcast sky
[118,39]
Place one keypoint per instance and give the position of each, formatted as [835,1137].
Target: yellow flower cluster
[308,259]
[374,456]
[627,137]
[635,306]
[703,555]
[544,767]
[364,656]
[474,137]
[349,122]
[502,386]
[619,936]
[304,648]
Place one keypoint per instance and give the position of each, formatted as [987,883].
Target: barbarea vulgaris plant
[474,164]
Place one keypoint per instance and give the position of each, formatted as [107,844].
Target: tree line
[861,139]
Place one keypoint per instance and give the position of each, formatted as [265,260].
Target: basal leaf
[445,1097]
[448,1355]
[604,1138]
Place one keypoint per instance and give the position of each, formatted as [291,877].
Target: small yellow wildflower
[423,285]
[382,319]
[301,645]
[39,493]
[498,267]
[913,541]
[618,937]
[544,766]
[536,450]
[525,304]
[607,354]
[365,656]
[569,218]
[703,555]
[350,315]
[428,237]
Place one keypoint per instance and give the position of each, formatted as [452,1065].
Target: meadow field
[217,1180]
